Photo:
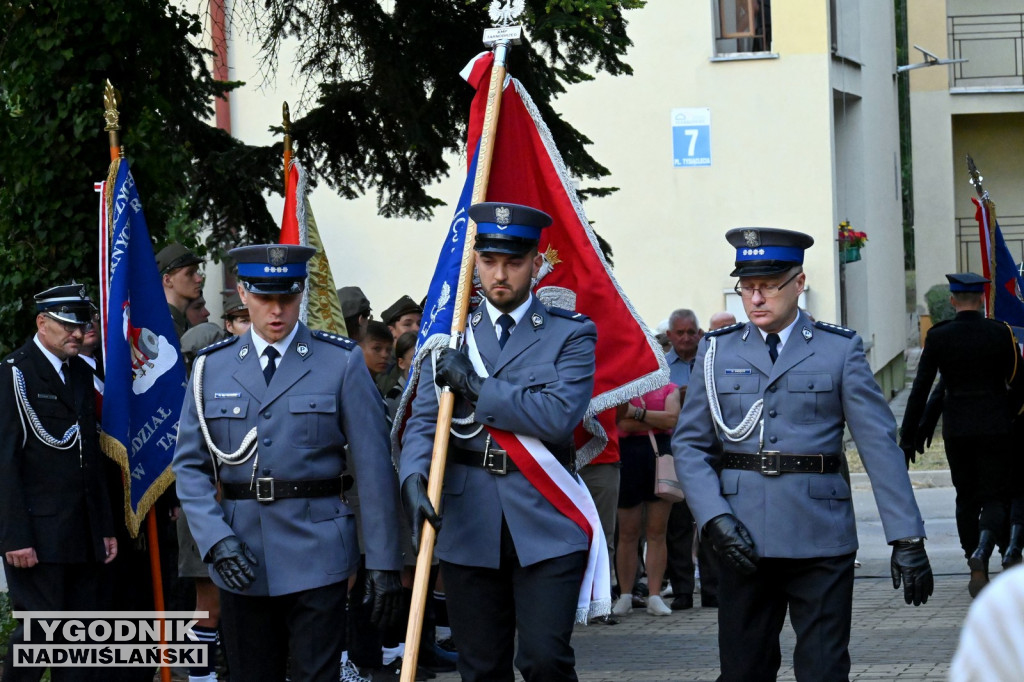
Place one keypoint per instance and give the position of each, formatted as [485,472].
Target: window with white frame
[742,26]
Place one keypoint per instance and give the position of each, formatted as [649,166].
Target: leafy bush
[939,306]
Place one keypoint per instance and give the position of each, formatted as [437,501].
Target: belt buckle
[265,489]
[489,462]
[771,462]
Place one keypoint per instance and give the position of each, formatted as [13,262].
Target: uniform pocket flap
[829,487]
[327,508]
[730,481]
[533,375]
[738,383]
[455,479]
[797,382]
[230,408]
[300,404]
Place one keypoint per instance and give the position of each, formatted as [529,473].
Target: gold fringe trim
[108,198]
[116,451]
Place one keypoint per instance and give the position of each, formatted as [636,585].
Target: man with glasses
[759,452]
[56,526]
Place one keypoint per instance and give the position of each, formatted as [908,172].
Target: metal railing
[969,257]
[994,46]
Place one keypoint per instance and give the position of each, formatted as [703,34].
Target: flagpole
[504,37]
[287,125]
[990,212]
[111,100]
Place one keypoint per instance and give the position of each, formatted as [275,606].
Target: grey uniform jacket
[320,398]
[540,384]
[820,381]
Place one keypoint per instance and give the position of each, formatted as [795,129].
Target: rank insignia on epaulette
[537,320]
[243,351]
[302,349]
[746,333]
[807,333]
[835,329]
[477,316]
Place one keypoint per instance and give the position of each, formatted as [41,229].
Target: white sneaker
[350,673]
[656,606]
[623,605]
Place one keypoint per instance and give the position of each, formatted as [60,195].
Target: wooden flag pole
[446,404]
[286,118]
[990,210]
[111,99]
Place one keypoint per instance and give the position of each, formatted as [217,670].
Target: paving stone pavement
[889,640]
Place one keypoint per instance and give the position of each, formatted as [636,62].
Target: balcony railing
[969,241]
[994,46]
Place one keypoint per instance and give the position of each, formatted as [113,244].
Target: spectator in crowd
[355,308]
[721,319]
[654,413]
[377,346]
[405,348]
[401,316]
[236,315]
[196,313]
[182,281]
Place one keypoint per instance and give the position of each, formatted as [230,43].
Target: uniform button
[267,441]
[223,410]
[531,377]
[735,387]
[312,404]
[810,385]
[773,388]
[772,439]
[266,415]
[490,418]
[833,491]
[772,413]
[237,410]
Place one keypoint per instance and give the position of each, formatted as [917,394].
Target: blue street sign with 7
[691,137]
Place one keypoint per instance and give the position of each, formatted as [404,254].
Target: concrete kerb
[919,479]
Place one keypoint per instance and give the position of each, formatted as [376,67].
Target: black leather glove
[910,565]
[384,589]
[234,562]
[456,370]
[909,453]
[733,543]
[417,507]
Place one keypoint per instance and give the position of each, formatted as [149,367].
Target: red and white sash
[568,494]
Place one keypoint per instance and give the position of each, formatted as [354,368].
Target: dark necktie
[773,346]
[506,323]
[268,372]
[65,372]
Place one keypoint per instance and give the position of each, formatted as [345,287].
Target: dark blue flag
[1009,305]
[145,373]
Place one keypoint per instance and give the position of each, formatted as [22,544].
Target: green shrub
[939,306]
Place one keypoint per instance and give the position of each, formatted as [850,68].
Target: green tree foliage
[386,99]
[54,58]
[386,104]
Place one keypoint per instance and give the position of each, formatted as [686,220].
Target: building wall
[777,127]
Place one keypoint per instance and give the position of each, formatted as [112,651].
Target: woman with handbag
[645,428]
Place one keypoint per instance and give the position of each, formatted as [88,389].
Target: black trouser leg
[679,542]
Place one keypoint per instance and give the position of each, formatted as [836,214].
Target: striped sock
[208,636]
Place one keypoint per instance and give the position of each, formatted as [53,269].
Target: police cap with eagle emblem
[272,268]
[65,303]
[762,251]
[507,228]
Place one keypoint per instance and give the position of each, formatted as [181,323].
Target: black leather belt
[775,463]
[497,461]
[268,489]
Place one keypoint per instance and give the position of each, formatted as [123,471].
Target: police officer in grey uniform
[759,452]
[259,461]
[512,563]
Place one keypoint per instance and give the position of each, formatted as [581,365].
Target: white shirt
[54,360]
[260,344]
[517,315]
[783,335]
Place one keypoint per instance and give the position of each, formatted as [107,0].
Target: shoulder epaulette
[223,343]
[16,357]
[336,339]
[567,314]
[835,329]
[725,330]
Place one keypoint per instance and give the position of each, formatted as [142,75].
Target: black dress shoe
[682,602]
